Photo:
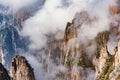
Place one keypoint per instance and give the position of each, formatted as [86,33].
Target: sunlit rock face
[115,75]
[103,57]
[21,69]
[108,62]
[117,55]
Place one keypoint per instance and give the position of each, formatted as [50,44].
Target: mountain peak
[21,69]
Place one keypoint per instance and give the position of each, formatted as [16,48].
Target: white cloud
[52,17]
[16,4]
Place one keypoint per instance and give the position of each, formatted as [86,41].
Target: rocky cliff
[105,61]
[107,64]
[3,73]
[96,58]
[20,70]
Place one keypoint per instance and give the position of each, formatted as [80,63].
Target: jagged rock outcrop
[101,41]
[107,63]
[21,69]
[3,73]
[115,8]
[115,74]
[70,32]
[104,65]
[69,52]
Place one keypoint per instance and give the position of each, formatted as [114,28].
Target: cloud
[52,17]
[98,20]
[17,4]
[94,19]
[39,69]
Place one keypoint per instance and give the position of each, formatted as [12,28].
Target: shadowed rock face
[21,69]
[70,32]
[3,73]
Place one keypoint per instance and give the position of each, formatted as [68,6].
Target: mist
[53,17]
[15,5]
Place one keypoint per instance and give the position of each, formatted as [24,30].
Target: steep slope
[21,69]
[3,73]
[107,62]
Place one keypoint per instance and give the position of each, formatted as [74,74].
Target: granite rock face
[21,69]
